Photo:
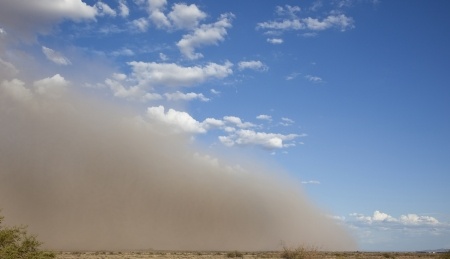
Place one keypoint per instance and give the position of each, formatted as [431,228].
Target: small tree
[15,243]
[299,253]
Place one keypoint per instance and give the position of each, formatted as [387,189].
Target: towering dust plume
[85,175]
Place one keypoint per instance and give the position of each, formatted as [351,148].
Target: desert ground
[220,255]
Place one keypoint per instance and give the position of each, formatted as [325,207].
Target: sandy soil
[223,255]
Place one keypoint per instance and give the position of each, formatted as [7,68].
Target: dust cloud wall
[85,174]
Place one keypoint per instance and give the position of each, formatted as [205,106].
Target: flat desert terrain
[248,255]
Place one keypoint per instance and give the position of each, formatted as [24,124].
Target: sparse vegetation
[388,255]
[299,253]
[16,243]
[445,255]
[235,254]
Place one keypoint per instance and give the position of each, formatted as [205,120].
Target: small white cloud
[129,93]
[275,41]
[344,3]
[290,21]
[206,34]
[124,11]
[414,219]
[140,24]
[314,79]
[156,14]
[293,24]
[309,34]
[292,76]
[333,21]
[55,56]
[123,52]
[264,117]
[163,57]
[176,96]
[104,9]
[185,16]
[209,123]
[254,65]
[215,92]
[316,5]
[286,121]
[226,141]
[380,216]
[229,129]
[244,137]
[287,10]
[238,122]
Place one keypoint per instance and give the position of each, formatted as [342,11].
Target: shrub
[299,253]
[235,254]
[16,243]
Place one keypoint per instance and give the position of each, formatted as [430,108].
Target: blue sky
[350,97]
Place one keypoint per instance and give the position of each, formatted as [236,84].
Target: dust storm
[87,174]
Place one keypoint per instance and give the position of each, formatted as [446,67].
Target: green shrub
[16,243]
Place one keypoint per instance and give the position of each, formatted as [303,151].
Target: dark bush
[16,243]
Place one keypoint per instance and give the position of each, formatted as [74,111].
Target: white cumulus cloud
[172,75]
[185,16]
[204,35]
[236,131]
[156,14]
[178,120]
[414,219]
[341,22]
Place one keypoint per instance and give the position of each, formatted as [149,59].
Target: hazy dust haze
[84,174]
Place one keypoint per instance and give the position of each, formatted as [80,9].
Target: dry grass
[297,253]
[300,253]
